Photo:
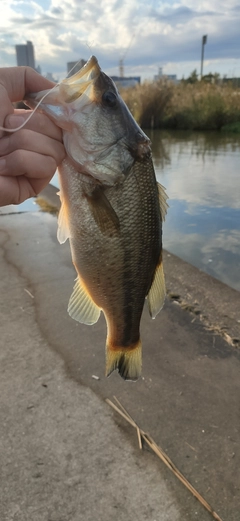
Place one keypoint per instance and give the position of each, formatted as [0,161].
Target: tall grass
[198,106]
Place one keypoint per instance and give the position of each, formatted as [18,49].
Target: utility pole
[204,41]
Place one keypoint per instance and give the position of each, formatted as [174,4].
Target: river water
[201,174]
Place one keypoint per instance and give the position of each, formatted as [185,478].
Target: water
[201,174]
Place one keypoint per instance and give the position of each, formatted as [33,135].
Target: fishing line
[30,115]
[39,103]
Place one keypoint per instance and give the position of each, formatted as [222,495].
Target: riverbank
[65,455]
[214,303]
[185,106]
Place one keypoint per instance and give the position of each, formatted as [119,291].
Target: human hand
[30,156]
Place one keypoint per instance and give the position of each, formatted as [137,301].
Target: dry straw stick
[161,454]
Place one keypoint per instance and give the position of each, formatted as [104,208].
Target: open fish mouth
[73,87]
[100,135]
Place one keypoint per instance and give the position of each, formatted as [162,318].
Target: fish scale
[111,211]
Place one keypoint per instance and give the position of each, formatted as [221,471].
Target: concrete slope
[65,455]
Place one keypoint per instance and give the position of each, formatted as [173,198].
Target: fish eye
[109,98]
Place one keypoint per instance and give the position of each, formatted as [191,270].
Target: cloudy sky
[147,34]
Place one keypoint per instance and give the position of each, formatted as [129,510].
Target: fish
[112,209]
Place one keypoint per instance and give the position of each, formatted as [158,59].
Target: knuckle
[52,164]
[23,138]
[18,159]
[4,145]
[61,155]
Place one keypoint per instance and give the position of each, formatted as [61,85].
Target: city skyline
[25,54]
[144,36]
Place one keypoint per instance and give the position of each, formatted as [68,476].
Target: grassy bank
[198,106]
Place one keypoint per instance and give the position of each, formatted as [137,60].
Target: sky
[146,34]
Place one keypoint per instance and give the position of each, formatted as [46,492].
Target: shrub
[196,106]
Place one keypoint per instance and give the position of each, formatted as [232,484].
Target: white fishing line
[39,103]
[31,114]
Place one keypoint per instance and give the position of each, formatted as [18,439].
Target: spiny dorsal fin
[162,200]
[157,292]
[63,232]
[81,307]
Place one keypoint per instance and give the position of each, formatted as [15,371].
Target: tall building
[76,66]
[25,54]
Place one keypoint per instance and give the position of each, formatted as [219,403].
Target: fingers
[17,81]
[30,164]
[28,140]
[5,107]
[38,123]
[30,156]
[15,190]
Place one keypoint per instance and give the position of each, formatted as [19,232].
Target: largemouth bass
[111,211]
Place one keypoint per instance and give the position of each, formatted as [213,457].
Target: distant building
[38,69]
[25,55]
[169,77]
[235,82]
[50,77]
[73,67]
[126,82]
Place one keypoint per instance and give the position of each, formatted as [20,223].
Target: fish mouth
[73,87]
[143,146]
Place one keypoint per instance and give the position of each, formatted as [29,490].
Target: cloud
[159,32]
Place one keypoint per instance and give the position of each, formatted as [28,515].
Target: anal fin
[156,295]
[81,307]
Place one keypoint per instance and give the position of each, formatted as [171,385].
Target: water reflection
[27,206]
[201,174]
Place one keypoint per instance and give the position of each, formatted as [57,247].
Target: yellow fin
[127,361]
[81,307]
[157,292]
[162,200]
[63,232]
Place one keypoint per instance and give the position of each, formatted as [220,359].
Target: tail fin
[128,361]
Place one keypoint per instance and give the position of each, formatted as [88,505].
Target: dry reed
[162,455]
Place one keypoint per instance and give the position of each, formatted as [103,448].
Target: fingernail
[2,163]
[14,121]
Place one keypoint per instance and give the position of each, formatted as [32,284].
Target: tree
[193,78]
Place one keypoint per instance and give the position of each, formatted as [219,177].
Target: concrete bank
[65,456]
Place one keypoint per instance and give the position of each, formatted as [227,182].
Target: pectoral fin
[63,232]
[157,292]
[81,307]
[162,201]
[103,212]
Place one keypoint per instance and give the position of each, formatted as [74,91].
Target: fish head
[100,135]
